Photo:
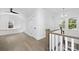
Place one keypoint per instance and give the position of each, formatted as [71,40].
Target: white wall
[42,19]
[52,18]
[36,27]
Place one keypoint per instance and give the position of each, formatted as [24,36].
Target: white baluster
[53,38]
[66,44]
[61,43]
[56,42]
[50,38]
[72,44]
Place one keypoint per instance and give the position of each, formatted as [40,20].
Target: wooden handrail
[55,30]
[61,30]
[65,35]
[61,34]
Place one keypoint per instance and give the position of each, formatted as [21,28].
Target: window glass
[72,23]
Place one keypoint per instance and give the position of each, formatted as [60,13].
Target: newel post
[62,32]
[47,36]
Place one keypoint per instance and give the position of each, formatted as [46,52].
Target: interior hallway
[22,42]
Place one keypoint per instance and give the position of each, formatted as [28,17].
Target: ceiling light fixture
[63,13]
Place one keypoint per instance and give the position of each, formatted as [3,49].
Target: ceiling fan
[11,10]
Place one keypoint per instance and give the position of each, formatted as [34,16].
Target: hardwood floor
[22,42]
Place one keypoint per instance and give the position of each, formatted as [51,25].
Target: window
[72,23]
[10,25]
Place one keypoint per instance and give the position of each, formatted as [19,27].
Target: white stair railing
[60,42]
[53,42]
[57,44]
[72,44]
[66,43]
[50,42]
